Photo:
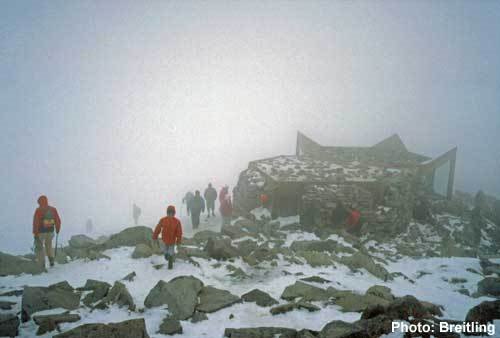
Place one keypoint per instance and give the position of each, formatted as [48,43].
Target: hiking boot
[170,262]
[167,256]
[51,260]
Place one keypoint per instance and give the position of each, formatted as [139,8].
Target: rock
[81,242]
[130,277]
[220,249]
[142,251]
[186,253]
[260,332]
[134,328]
[374,327]
[246,247]
[259,297]
[12,293]
[306,292]
[362,261]
[16,265]
[198,317]
[293,306]
[237,273]
[341,329]
[4,305]
[484,312]
[212,299]
[9,325]
[60,295]
[260,254]
[489,267]
[406,307]
[204,235]
[130,237]
[118,295]
[315,279]
[433,309]
[353,302]
[170,326]
[373,311]
[48,323]
[381,291]
[489,286]
[179,294]
[99,291]
[234,232]
[328,245]
[315,259]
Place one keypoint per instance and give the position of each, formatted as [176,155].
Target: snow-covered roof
[307,169]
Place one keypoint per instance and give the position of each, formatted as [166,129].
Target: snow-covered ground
[431,276]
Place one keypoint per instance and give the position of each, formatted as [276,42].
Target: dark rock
[306,292]
[406,307]
[381,291]
[12,293]
[293,306]
[81,242]
[4,305]
[484,312]
[237,273]
[130,237]
[142,251]
[198,317]
[203,236]
[220,249]
[48,323]
[259,297]
[118,295]
[179,294]
[321,246]
[341,329]
[234,232]
[9,325]
[134,328]
[489,267]
[16,265]
[170,326]
[373,311]
[489,286]
[315,279]
[246,247]
[60,295]
[261,332]
[130,277]
[362,261]
[212,299]
[99,291]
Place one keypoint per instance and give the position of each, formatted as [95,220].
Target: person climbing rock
[197,207]
[45,221]
[170,228]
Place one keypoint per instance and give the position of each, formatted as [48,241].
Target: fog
[104,104]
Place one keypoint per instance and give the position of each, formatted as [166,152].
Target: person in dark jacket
[188,198]
[197,207]
[210,195]
[45,221]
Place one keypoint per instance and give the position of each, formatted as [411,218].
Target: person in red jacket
[171,234]
[226,210]
[353,223]
[45,221]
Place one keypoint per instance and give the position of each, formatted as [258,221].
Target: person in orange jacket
[353,220]
[171,234]
[45,221]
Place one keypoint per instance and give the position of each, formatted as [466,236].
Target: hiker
[353,223]
[223,192]
[197,207]
[45,221]
[171,234]
[226,209]
[188,198]
[89,226]
[136,213]
[210,195]
[264,200]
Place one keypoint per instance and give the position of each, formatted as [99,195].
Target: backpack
[48,221]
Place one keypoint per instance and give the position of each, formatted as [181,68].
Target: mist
[104,104]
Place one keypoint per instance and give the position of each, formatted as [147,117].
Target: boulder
[130,237]
[260,254]
[484,312]
[236,273]
[48,323]
[315,258]
[9,325]
[170,326]
[220,249]
[16,265]
[234,232]
[259,297]
[204,235]
[118,295]
[381,291]
[489,267]
[198,317]
[307,292]
[142,251]
[212,299]
[406,307]
[293,306]
[5,305]
[81,242]
[352,302]
[99,291]
[246,247]
[362,261]
[489,286]
[328,245]
[179,294]
[341,329]
[60,295]
[260,332]
[133,328]
[315,279]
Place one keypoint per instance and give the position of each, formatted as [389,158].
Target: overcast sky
[104,103]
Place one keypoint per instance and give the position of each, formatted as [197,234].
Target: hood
[171,210]
[43,201]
